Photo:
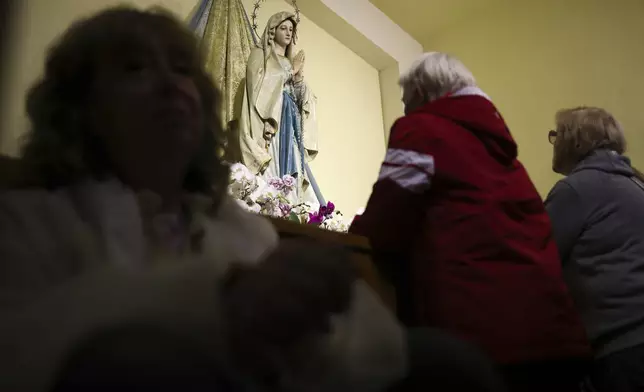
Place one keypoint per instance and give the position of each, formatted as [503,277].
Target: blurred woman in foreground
[466,231]
[132,226]
[597,215]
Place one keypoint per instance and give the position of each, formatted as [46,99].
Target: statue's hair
[582,130]
[434,75]
[59,147]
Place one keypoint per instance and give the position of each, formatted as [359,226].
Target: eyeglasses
[552,136]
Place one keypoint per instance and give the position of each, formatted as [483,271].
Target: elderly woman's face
[145,105]
[284,34]
[560,154]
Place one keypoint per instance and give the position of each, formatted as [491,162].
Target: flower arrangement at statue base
[275,197]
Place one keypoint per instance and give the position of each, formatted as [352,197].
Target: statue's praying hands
[298,65]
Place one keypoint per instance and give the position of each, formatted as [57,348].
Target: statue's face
[284,34]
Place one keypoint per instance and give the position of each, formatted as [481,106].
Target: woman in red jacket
[458,218]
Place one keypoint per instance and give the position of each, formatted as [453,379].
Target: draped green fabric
[227,39]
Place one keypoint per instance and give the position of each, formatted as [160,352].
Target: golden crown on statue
[257,6]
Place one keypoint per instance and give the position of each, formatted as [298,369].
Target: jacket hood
[607,161]
[472,109]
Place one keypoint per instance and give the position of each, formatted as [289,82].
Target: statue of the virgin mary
[277,128]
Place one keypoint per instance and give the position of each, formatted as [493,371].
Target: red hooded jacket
[453,201]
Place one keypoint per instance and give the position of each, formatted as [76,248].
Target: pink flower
[285,209]
[276,183]
[324,213]
[288,181]
[315,218]
[326,210]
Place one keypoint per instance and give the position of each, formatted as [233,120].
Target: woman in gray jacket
[597,214]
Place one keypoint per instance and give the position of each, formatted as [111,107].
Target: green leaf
[293,217]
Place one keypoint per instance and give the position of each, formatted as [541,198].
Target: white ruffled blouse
[81,259]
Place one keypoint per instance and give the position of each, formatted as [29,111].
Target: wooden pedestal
[359,247]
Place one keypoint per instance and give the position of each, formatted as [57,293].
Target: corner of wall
[392,107]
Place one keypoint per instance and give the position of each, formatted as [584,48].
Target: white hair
[434,75]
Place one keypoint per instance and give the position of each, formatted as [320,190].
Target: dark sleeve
[394,213]
[567,217]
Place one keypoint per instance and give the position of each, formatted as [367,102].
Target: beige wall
[367,31]
[382,31]
[534,57]
[391,95]
[348,90]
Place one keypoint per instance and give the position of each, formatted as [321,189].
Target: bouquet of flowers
[273,197]
[326,217]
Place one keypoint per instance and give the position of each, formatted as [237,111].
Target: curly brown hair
[60,150]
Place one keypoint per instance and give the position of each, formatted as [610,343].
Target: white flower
[272,209]
[242,181]
[268,194]
[249,206]
[239,190]
[304,209]
[255,194]
[335,223]
[240,168]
